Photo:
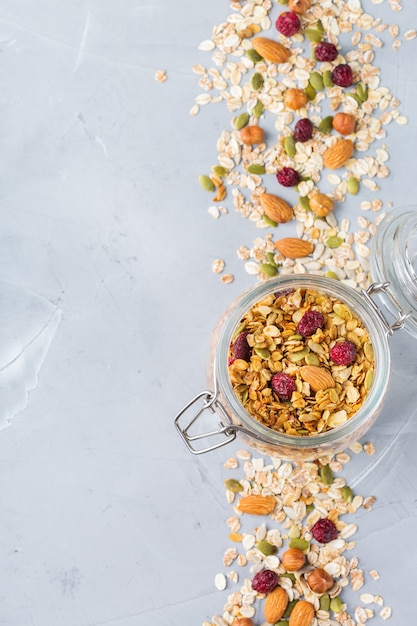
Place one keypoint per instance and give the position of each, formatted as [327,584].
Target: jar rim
[378,335]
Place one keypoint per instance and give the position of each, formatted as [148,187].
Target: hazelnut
[252,134]
[293,559]
[319,580]
[294,99]
[344,123]
[242,621]
[299,6]
[320,203]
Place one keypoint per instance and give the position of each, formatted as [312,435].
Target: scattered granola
[160,76]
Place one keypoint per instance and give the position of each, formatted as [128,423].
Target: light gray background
[105,518]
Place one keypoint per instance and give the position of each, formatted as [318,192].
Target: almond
[271,50]
[256,504]
[293,559]
[302,614]
[344,123]
[294,248]
[317,377]
[276,208]
[337,155]
[275,604]
[243,621]
[251,135]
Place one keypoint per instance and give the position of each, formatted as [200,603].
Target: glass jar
[394,256]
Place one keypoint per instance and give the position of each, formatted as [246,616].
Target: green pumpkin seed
[330,274]
[326,474]
[327,79]
[239,329]
[362,91]
[334,242]
[258,109]
[290,606]
[255,168]
[296,337]
[266,548]
[264,353]
[268,269]
[310,92]
[326,124]
[336,604]
[312,359]
[257,81]
[353,185]
[304,202]
[294,532]
[233,485]
[313,35]
[320,27]
[355,96]
[244,396]
[297,542]
[289,575]
[271,258]
[282,622]
[309,508]
[289,145]
[368,350]
[347,494]
[206,183]
[316,81]
[295,357]
[369,378]
[253,56]
[269,221]
[283,1]
[324,602]
[220,171]
[241,121]
[342,311]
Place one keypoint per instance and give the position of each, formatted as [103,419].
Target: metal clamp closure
[383,288]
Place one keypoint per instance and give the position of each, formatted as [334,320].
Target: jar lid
[394,261]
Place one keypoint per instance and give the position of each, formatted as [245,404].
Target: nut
[293,559]
[242,621]
[299,6]
[317,377]
[276,208]
[271,50]
[302,614]
[294,99]
[344,123]
[252,134]
[320,203]
[255,504]
[275,604]
[337,155]
[319,580]
[294,248]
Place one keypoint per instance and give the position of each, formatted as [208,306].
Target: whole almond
[337,155]
[302,614]
[275,604]
[344,123]
[276,208]
[294,248]
[317,377]
[256,504]
[293,559]
[271,50]
[251,135]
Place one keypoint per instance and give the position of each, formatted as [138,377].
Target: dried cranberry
[343,353]
[303,130]
[324,530]
[283,385]
[309,323]
[342,75]
[325,51]
[283,292]
[288,23]
[288,177]
[265,581]
[241,348]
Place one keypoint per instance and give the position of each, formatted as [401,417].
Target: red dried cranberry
[343,353]
[303,130]
[283,385]
[309,323]
[325,51]
[283,292]
[324,530]
[288,177]
[265,581]
[342,75]
[288,23]
[241,348]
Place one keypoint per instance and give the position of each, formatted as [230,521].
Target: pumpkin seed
[295,357]
[304,202]
[309,508]
[294,532]
[241,120]
[320,27]
[271,258]
[316,81]
[206,183]
[310,92]
[244,396]
[283,1]
[324,602]
[233,485]
[369,378]
[297,542]
[253,56]
[290,607]
[362,91]
[368,350]
[347,494]
[289,145]
[326,124]
[220,171]
[255,168]
[289,575]
[327,79]
[266,548]
[313,35]
[355,97]
[326,474]
[264,353]
[257,81]
[269,221]
[336,604]
[334,242]
[239,328]
[330,274]
[353,185]
[268,269]
[312,359]
[258,109]
[342,311]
